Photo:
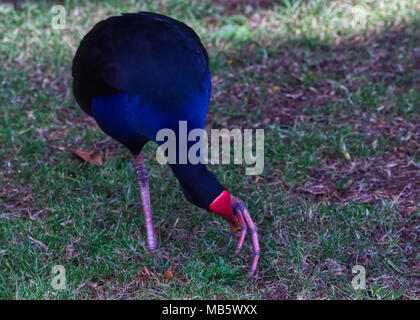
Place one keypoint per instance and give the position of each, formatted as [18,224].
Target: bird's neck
[202,189]
[199,185]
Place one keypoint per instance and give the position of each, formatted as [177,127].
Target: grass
[340,111]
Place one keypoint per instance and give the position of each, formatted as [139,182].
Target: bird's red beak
[222,206]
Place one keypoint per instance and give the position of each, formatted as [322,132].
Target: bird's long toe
[242,232]
[254,237]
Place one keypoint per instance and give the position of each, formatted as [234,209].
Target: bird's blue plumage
[130,119]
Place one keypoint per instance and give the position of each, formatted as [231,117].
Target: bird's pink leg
[143,181]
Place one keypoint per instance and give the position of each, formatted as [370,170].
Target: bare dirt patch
[392,177]
[17,201]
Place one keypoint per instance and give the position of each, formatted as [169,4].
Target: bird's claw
[246,224]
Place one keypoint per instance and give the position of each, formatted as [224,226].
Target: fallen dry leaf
[168,274]
[89,156]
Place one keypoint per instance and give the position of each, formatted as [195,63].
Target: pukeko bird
[141,72]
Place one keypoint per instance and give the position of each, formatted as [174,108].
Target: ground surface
[339,106]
